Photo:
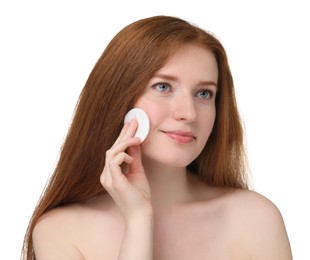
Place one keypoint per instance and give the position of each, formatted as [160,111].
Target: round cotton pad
[143,122]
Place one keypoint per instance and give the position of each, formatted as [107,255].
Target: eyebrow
[173,78]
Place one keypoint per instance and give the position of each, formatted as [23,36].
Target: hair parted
[117,80]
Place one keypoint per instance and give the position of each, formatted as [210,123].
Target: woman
[180,194]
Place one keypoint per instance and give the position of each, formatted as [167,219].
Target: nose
[184,108]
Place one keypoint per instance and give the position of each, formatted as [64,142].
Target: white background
[48,48]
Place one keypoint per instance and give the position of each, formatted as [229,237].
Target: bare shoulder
[255,207]
[71,232]
[261,223]
[253,203]
[54,235]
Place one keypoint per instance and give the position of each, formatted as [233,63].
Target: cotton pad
[143,122]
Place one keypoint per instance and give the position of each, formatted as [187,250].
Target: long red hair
[117,80]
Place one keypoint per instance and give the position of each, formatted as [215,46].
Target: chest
[192,235]
[182,234]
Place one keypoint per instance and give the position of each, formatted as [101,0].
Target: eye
[205,94]
[162,87]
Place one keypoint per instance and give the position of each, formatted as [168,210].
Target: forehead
[192,60]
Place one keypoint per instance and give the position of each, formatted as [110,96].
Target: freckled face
[180,102]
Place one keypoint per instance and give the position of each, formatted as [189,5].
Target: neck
[169,185]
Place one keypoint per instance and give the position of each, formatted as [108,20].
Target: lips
[180,136]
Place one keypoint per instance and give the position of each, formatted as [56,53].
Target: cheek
[212,117]
[207,123]
[156,112]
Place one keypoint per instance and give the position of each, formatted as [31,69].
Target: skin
[158,210]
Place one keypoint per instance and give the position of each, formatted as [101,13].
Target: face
[180,102]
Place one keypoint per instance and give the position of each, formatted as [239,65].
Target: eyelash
[161,84]
[210,92]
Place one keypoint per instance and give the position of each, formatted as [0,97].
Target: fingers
[116,156]
[112,172]
[128,131]
[130,191]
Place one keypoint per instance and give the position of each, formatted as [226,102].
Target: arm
[273,242]
[138,239]
[52,237]
[131,193]
[268,237]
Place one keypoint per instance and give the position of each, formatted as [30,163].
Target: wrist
[143,215]
[140,213]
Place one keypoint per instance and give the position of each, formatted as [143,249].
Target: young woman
[180,194]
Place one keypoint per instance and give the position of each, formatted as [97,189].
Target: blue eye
[162,87]
[205,94]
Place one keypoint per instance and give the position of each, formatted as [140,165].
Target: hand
[129,188]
